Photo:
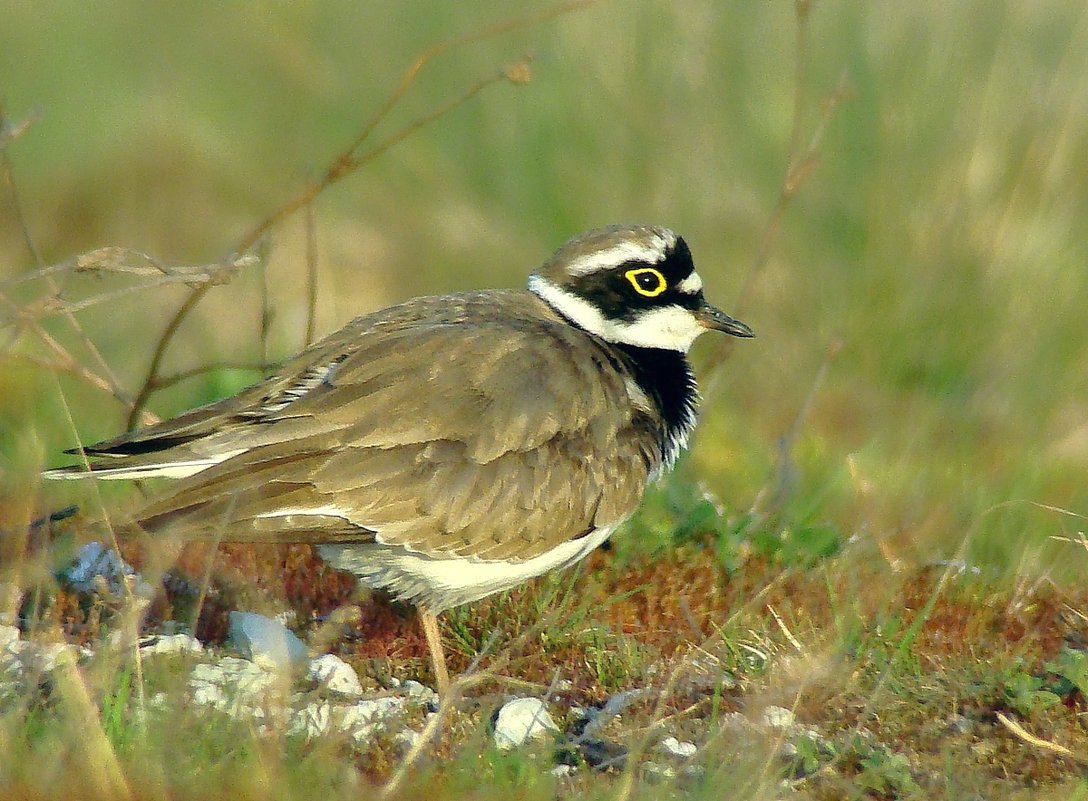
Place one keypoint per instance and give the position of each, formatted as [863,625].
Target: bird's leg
[429,620]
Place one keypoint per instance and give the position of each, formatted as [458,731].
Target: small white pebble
[417,691]
[8,634]
[777,717]
[684,750]
[336,676]
[521,720]
[654,771]
[170,644]
[312,721]
[363,718]
[405,741]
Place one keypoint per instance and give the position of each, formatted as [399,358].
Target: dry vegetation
[901,555]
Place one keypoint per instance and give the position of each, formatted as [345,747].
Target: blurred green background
[939,236]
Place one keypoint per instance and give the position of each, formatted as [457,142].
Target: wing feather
[445,428]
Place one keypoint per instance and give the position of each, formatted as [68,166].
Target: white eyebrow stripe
[691,285]
[650,252]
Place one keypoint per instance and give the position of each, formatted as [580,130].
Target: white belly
[440,584]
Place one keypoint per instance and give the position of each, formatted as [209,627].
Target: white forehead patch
[692,285]
[650,250]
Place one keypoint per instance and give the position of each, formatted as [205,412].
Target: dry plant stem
[10,131]
[213,549]
[311,274]
[193,372]
[66,363]
[776,481]
[800,163]
[802,9]
[104,767]
[785,631]
[909,635]
[126,261]
[1038,742]
[100,767]
[343,166]
[266,314]
[108,380]
[348,161]
[160,351]
[446,701]
[799,169]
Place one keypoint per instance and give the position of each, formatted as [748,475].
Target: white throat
[668,328]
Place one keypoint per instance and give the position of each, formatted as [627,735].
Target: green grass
[937,238]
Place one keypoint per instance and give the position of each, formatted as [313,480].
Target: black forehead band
[676,266]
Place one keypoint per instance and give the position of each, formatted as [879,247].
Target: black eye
[647,281]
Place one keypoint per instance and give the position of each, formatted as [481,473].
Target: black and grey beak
[714,318]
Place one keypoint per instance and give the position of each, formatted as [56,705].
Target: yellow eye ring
[647,281]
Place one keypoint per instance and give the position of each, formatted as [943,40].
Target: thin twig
[785,631]
[344,166]
[778,480]
[267,313]
[10,131]
[348,160]
[127,261]
[311,274]
[434,723]
[66,362]
[107,377]
[160,352]
[1038,742]
[799,169]
[193,372]
[799,165]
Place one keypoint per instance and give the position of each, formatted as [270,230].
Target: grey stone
[36,657]
[336,676]
[235,686]
[612,708]
[404,741]
[676,748]
[421,694]
[311,721]
[170,644]
[96,566]
[959,724]
[8,634]
[267,642]
[521,720]
[777,717]
[364,718]
[654,772]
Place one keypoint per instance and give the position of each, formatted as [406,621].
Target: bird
[450,447]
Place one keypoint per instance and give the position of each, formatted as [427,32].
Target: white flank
[668,327]
[456,574]
[650,252]
[328,510]
[442,582]
[168,470]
